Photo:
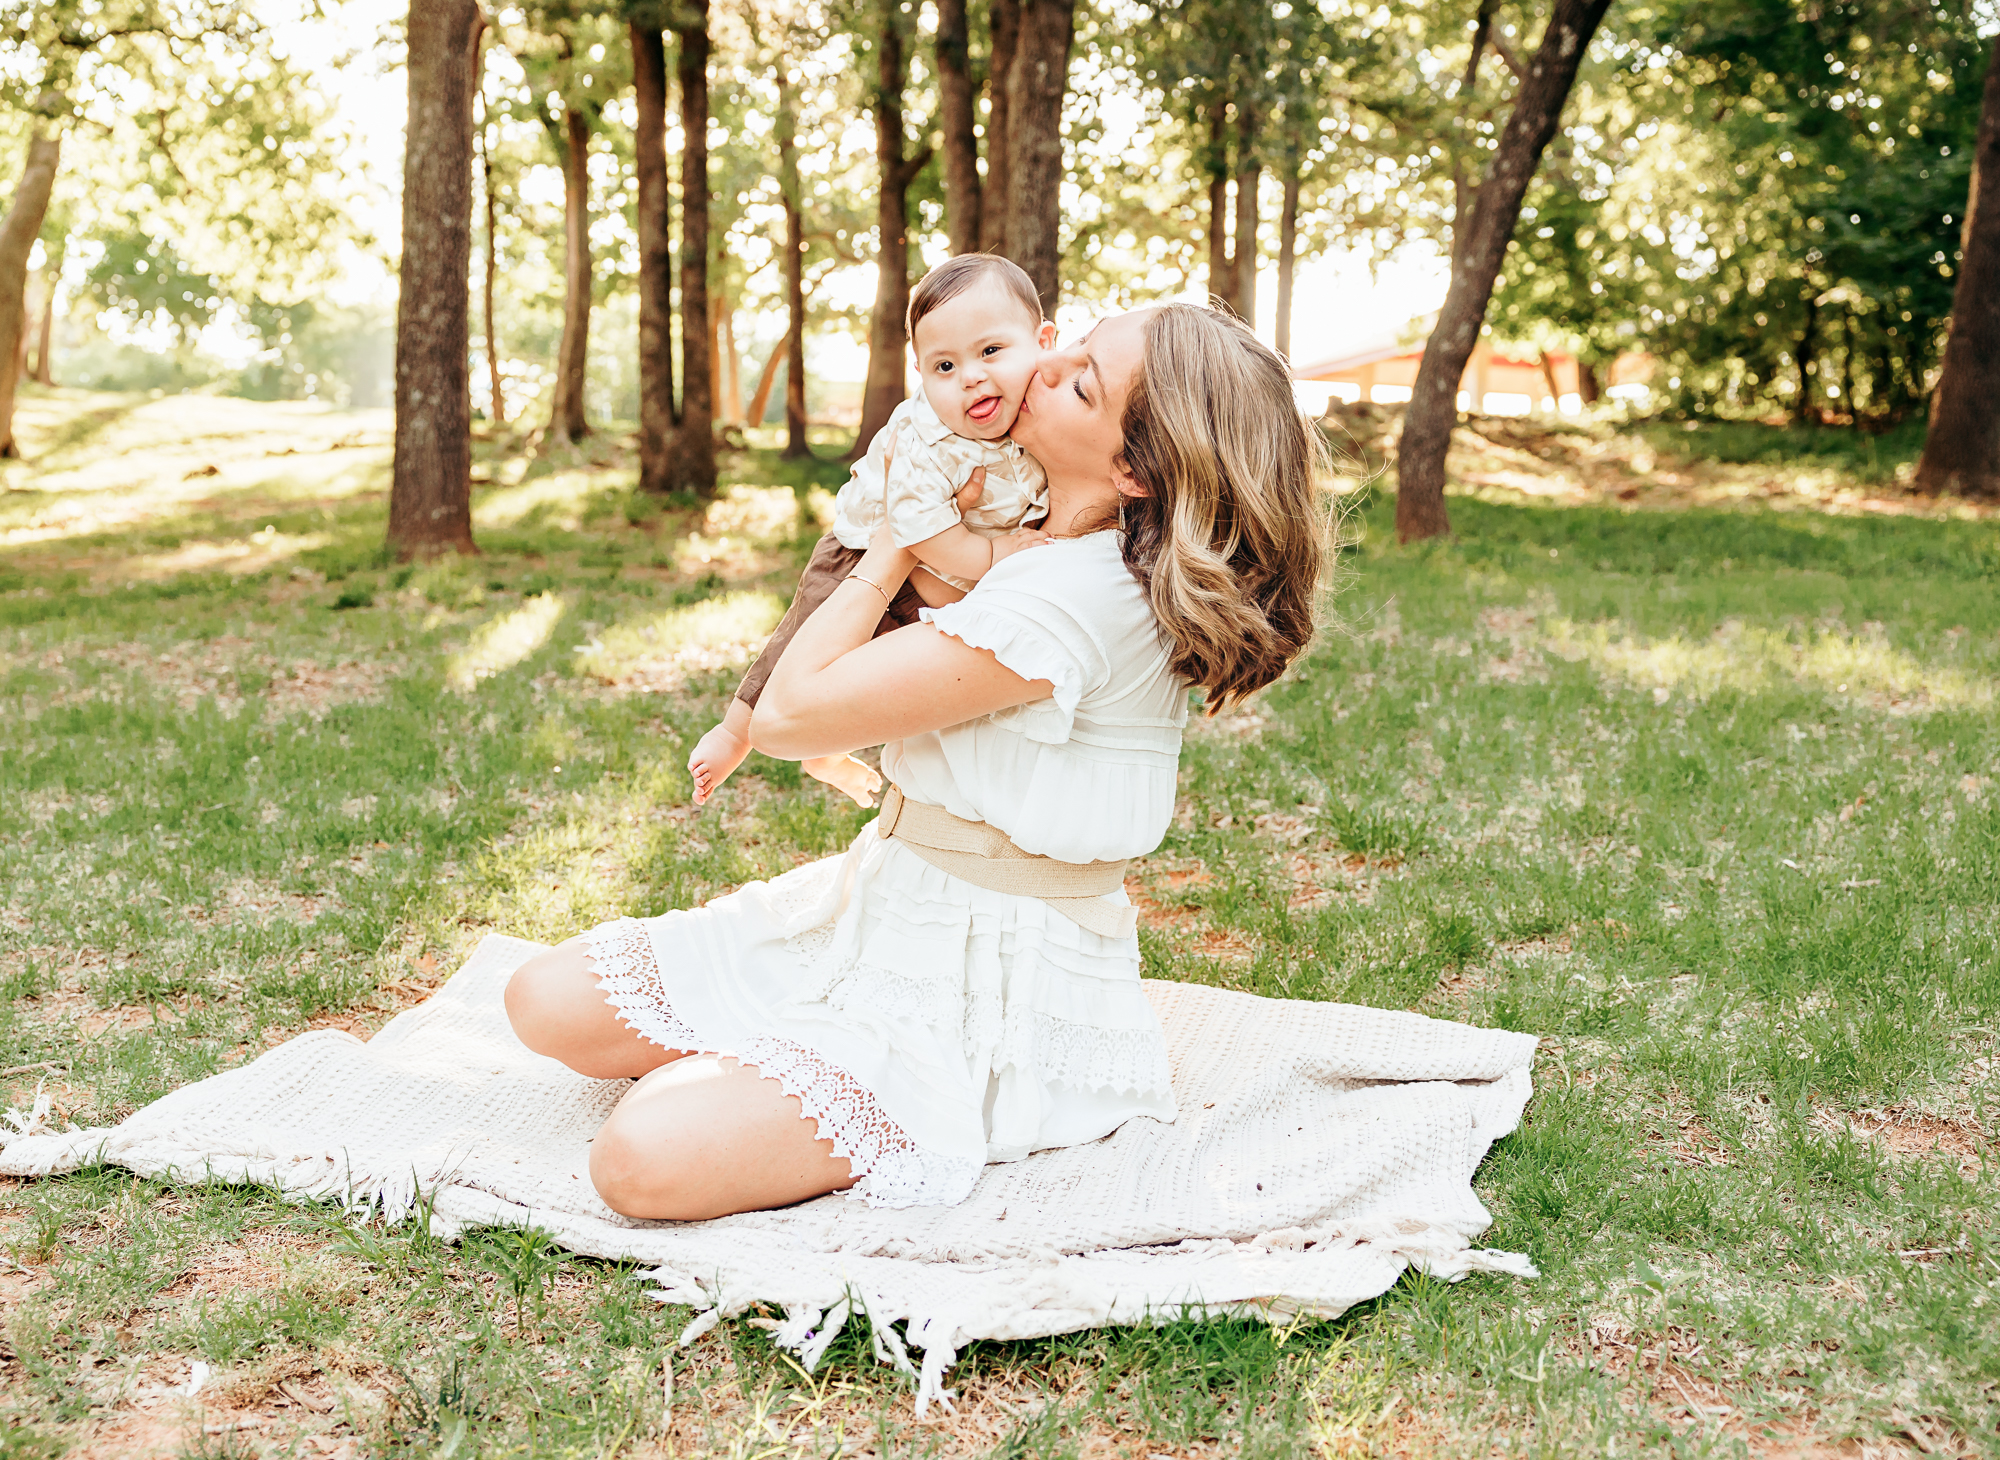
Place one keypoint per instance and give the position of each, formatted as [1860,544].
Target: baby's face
[977,353]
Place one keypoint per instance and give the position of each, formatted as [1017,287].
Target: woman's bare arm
[837,688]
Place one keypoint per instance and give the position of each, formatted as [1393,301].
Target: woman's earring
[1121,513]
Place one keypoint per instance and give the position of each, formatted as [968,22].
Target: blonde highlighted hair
[1231,537]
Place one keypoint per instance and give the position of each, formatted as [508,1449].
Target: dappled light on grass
[96,468]
[506,641]
[265,548]
[659,651]
[560,499]
[1748,658]
[741,527]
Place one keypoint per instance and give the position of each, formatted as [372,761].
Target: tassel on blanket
[1436,1250]
[37,1120]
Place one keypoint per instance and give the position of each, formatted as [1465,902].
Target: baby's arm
[959,551]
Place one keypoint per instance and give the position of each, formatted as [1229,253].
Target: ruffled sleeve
[1045,614]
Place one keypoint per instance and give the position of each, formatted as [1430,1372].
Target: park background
[1654,714]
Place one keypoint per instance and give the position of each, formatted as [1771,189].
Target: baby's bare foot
[845,773]
[716,754]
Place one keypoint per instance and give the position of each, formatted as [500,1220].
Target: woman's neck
[1077,507]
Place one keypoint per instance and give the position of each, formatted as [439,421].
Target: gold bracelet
[887,601]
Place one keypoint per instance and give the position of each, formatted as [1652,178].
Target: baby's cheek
[943,393]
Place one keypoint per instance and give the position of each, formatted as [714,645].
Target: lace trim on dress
[622,954]
[889,1168]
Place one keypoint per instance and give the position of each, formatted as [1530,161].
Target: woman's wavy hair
[1231,539]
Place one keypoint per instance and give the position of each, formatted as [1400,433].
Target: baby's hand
[1020,539]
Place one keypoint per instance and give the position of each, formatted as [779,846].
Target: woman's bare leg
[705,1137]
[557,1009]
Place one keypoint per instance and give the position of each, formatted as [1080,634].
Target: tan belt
[981,854]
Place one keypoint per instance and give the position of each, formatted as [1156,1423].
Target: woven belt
[979,853]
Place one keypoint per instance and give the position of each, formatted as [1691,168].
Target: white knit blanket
[1320,1150]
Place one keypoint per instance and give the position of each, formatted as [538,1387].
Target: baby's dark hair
[952,278]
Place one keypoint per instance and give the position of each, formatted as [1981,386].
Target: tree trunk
[566,418]
[1288,258]
[430,495]
[1962,450]
[760,399]
[795,275]
[693,463]
[996,201]
[1249,174]
[1847,366]
[955,116]
[17,240]
[1035,143]
[732,365]
[1808,352]
[1433,412]
[1221,267]
[44,371]
[1588,387]
[655,263]
[497,397]
[886,337]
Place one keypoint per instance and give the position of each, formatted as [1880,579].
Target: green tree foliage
[1766,195]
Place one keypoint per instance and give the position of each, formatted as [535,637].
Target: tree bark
[1587,384]
[692,466]
[886,337]
[1962,450]
[955,115]
[760,399]
[497,397]
[1221,266]
[996,200]
[727,364]
[1433,413]
[566,418]
[789,189]
[1288,258]
[1035,143]
[1808,351]
[1249,174]
[17,240]
[655,263]
[51,278]
[430,495]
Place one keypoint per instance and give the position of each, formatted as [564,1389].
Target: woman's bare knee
[536,1000]
[708,1137]
[639,1180]
[557,1009]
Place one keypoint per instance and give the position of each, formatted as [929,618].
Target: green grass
[1708,799]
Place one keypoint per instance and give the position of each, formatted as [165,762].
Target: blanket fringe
[810,1325]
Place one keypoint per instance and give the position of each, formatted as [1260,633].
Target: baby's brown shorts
[831,562]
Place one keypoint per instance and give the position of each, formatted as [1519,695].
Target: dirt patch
[211,669]
[1910,1136]
[1163,912]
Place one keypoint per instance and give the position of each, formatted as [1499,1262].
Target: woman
[963,985]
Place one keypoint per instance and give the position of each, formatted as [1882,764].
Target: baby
[977,328]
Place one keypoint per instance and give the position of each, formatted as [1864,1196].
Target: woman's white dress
[927,1025]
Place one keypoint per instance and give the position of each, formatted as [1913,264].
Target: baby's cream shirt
[930,463]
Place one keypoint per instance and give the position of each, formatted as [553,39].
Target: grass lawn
[1708,797]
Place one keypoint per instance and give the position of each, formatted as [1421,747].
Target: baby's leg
[720,751]
[845,773]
